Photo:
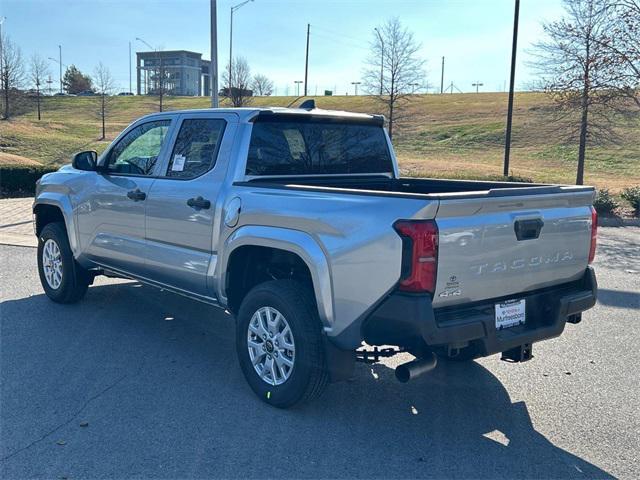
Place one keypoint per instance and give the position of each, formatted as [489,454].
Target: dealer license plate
[510,314]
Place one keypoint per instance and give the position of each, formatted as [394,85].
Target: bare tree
[622,42]
[104,84]
[261,85]
[576,70]
[11,74]
[394,71]
[240,93]
[38,71]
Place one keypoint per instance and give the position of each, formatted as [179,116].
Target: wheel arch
[50,207]
[291,242]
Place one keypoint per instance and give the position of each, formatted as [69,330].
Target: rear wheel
[279,343]
[63,280]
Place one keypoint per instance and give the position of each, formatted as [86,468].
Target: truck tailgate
[511,241]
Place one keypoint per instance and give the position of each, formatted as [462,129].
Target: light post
[60,57]
[381,59]
[233,9]
[298,82]
[2,19]
[160,72]
[213,66]
[415,87]
[59,62]
[514,48]
[130,90]
[477,85]
[355,84]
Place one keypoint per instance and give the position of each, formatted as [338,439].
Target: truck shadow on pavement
[619,298]
[156,378]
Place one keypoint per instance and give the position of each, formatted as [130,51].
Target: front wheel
[279,343]
[63,280]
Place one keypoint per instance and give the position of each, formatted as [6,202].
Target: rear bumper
[409,320]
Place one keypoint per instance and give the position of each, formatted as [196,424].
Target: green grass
[457,136]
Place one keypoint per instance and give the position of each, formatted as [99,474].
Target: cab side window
[137,152]
[196,147]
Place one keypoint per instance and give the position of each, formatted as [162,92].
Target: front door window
[137,152]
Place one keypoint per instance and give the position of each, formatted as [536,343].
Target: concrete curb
[618,222]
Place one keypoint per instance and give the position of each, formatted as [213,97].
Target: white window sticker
[178,163]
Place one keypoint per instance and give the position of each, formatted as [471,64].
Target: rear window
[316,146]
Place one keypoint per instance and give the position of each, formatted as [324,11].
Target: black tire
[75,280]
[309,375]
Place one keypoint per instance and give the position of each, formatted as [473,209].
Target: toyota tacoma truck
[297,221]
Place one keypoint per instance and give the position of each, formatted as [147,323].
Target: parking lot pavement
[135,382]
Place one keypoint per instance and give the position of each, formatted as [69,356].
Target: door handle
[136,195]
[199,202]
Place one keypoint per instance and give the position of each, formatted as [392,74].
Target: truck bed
[410,186]
[480,256]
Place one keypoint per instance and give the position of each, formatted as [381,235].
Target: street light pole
[160,72]
[213,69]
[381,59]
[477,85]
[61,65]
[355,84]
[297,82]
[2,19]
[306,62]
[507,140]
[233,9]
[130,91]
[60,56]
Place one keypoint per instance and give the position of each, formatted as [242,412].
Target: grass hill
[459,135]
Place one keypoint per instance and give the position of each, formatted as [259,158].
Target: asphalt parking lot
[138,383]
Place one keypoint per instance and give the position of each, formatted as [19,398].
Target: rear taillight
[420,254]
[594,234]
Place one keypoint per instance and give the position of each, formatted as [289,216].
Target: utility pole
[297,82]
[381,59]
[355,84]
[442,78]
[306,62]
[213,69]
[60,56]
[477,85]
[507,140]
[130,90]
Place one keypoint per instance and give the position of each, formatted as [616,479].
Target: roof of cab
[246,114]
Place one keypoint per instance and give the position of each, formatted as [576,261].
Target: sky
[474,36]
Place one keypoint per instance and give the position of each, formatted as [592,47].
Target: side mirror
[87,160]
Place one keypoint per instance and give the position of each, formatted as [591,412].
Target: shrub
[632,195]
[21,179]
[519,178]
[604,203]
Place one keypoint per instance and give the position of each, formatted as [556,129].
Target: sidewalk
[16,226]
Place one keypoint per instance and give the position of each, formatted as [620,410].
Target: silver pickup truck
[298,223]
